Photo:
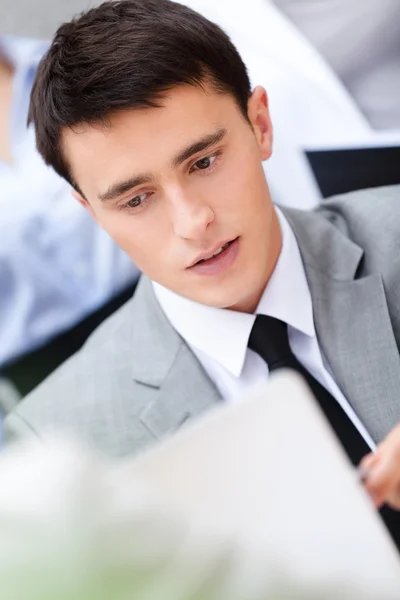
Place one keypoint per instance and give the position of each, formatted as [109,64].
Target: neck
[275,237]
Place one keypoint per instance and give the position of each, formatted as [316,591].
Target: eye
[204,163]
[136,201]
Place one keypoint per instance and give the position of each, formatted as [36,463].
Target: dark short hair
[126,54]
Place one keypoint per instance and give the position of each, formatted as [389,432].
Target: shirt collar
[223,334]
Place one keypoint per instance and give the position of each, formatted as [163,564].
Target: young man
[146,109]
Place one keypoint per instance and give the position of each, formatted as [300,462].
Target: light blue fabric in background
[56,264]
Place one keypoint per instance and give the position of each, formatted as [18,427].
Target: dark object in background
[30,370]
[341,171]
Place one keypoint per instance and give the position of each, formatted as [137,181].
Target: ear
[84,203]
[258,113]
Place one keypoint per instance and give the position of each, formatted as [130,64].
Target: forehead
[144,140]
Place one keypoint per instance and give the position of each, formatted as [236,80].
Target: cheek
[142,241]
[226,190]
[124,231]
[247,196]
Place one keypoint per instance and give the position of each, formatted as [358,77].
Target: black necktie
[269,338]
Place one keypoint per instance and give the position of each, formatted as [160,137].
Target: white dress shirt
[56,265]
[219,337]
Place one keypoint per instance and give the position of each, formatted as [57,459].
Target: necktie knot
[269,338]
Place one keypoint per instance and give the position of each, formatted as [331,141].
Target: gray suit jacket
[135,380]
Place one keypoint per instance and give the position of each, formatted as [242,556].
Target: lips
[206,256]
[219,262]
[224,247]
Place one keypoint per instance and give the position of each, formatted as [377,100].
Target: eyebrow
[199,146]
[118,189]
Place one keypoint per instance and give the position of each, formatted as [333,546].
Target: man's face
[175,185]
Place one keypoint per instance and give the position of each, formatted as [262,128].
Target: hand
[382,468]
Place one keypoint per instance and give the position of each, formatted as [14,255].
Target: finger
[366,464]
[378,500]
[383,477]
[393,499]
[369,460]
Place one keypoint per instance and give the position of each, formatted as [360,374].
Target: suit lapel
[352,322]
[177,387]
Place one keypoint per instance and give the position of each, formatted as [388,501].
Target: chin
[228,299]
[247,296]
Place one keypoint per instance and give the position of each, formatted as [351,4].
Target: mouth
[217,260]
[217,253]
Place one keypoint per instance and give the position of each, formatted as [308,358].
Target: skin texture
[382,469]
[195,205]
[186,209]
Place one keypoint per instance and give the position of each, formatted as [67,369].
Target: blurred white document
[269,475]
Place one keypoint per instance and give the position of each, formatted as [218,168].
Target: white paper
[269,474]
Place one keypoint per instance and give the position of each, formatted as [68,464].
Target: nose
[191,217]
